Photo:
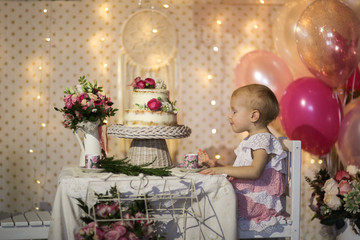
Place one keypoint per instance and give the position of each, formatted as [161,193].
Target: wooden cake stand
[149,142]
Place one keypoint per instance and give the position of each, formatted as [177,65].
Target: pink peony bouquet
[337,198]
[104,222]
[85,102]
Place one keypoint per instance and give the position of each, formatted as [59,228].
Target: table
[215,194]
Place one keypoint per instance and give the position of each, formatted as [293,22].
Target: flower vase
[346,232]
[90,144]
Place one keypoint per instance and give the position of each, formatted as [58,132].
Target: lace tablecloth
[215,195]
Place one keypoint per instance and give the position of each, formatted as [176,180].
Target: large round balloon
[354,5]
[263,67]
[311,112]
[349,138]
[283,31]
[328,40]
[351,105]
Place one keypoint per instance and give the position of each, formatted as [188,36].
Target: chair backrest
[291,226]
[293,192]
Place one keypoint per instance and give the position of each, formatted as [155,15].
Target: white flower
[159,84]
[352,170]
[331,187]
[332,201]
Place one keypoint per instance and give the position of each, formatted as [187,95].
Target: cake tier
[142,96]
[146,118]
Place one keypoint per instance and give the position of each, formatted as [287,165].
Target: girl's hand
[212,171]
[204,159]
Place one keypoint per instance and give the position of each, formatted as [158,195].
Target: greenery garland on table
[124,166]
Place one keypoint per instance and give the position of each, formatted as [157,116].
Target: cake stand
[149,143]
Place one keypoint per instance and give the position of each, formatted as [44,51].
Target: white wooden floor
[28,225]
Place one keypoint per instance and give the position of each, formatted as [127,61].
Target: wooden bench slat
[45,217]
[33,219]
[20,220]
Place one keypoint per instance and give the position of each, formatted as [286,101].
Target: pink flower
[81,97]
[105,211]
[78,115]
[128,223]
[68,101]
[140,84]
[140,215]
[344,187]
[112,235]
[136,80]
[150,83]
[154,104]
[119,228]
[341,174]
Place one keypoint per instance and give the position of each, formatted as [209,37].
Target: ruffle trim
[270,144]
[267,227]
[253,202]
[271,181]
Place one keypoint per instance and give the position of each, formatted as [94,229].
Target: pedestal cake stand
[149,142]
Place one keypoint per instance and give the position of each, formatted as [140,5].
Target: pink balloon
[328,40]
[311,112]
[265,68]
[349,138]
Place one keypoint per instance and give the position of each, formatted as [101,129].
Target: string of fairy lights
[40,155]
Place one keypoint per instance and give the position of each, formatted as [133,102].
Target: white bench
[28,225]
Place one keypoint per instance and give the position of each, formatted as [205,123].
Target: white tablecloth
[215,195]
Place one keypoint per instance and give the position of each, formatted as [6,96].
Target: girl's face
[239,116]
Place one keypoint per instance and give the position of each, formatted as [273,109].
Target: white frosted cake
[150,105]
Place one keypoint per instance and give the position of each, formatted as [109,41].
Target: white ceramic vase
[90,144]
[346,232]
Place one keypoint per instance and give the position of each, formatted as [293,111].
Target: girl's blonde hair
[261,98]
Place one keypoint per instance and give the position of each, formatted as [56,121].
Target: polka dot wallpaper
[46,46]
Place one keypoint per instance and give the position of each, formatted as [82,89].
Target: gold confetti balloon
[328,40]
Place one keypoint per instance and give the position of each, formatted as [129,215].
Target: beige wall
[75,29]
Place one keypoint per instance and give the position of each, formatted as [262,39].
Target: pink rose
[81,97]
[344,187]
[341,174]
[104,210]
[119,228]
[154,104]
[140,84]
[111,235]
[136,80]
[150,83]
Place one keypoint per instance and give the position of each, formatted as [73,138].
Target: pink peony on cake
[150,105]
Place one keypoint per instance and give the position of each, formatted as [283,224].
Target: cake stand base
[147,150]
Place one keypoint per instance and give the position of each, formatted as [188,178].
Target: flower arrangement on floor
[154,104]
[103,220]
[335,199]
[85,102]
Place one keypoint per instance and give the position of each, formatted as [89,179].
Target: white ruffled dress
[260,204]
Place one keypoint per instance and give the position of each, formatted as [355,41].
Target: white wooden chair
[29,225]
[289,227]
